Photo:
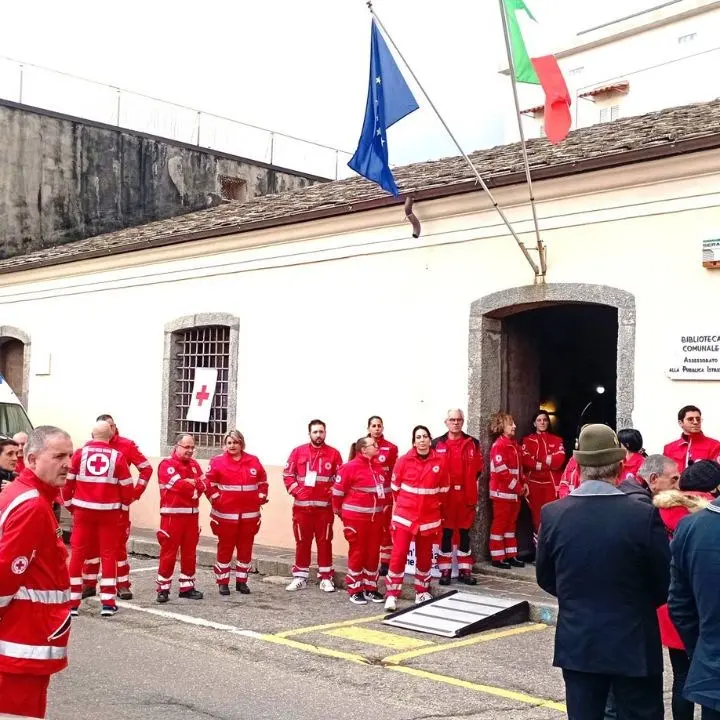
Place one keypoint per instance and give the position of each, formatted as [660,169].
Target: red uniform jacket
[99,479]
[420,486]
[543,456]
[236,488]
[385,460]
[631,466]
[692,447]
[570,479]
[177,495]
[463,468]
[506,481]
[133,456]
[324,461]
[359,490]
[34,580]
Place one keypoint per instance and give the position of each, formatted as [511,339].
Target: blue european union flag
[389,100]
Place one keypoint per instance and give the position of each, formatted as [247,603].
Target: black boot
[502,564]
[192,594]
[384,567]
[223,589]
[89,592]
[514,562]
[163,596]
[444,577]
[467,579]
[242,588]
[125,594]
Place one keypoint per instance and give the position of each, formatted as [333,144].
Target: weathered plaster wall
[64,179]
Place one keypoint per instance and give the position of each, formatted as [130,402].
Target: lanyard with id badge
[379,486]
[311,475]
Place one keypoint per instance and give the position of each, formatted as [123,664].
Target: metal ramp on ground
[456,613]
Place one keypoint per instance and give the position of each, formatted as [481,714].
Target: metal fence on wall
[60,92]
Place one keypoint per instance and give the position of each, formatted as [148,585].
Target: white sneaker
[422,597]
[327,585]
[391,603]
[297,583]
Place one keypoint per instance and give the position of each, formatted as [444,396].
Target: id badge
[310,478]
[380,491]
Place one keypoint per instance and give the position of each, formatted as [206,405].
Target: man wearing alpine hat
[606,559]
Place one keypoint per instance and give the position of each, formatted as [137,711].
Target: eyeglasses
[187,447]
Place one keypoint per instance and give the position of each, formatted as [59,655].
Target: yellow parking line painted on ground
[487,689]
[328,626]
[401,657]
[315,649]
[376,637]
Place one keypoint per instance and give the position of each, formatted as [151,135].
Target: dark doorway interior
[557,357]
[12,363]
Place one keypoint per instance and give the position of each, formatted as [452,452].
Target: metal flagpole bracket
[538,272]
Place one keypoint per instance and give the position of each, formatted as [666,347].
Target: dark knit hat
[598,445]
[701,476]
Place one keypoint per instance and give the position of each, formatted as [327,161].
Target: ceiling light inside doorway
[600,389]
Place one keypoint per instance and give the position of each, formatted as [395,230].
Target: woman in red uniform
[237,487]
[506,489]
[543,456]
[419,484]
[632,441]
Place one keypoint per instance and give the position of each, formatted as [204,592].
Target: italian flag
[540,70]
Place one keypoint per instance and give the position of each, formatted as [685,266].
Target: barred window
[191,343]
[206,347]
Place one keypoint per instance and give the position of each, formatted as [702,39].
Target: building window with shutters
[610,113]
[195,346]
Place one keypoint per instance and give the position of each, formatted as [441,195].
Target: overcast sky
[296,67]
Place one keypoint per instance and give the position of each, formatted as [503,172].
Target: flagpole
[484,186]
[511,65]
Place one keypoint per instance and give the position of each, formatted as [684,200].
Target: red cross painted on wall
[202,396]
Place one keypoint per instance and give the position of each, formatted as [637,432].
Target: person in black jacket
[657,473]
[694,603]
[606,558]
[8,460]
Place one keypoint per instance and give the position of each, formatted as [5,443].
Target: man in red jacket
[309,476]
[693,445]
[464,462]
[34,580]
[133,456]
[98,491]
[181,485]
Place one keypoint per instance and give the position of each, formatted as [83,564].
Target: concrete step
[518,584]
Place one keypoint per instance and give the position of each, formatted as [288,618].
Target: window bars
[200,347]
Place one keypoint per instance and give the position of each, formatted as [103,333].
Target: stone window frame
[190,322]
[8,331]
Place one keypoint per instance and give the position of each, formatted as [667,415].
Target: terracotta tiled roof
[618,87]
[628,140]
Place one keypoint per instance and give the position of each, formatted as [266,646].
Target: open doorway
[573,350]
[554,345]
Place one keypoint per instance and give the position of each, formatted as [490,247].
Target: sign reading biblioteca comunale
[695,357]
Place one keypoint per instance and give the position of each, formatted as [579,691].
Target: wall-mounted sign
[711,253]
[695,357]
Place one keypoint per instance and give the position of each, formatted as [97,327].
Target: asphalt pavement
[274,654]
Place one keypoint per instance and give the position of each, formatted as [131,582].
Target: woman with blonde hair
[237,487]
[506,489]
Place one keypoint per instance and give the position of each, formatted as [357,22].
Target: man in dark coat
[694,601]
[606,558]
[657,473]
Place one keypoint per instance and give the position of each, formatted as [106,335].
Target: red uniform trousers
[122,573]
[503,543]
[364,536]
[177,532]
[458,518]
[541,493]
[93,531]
[402,537]
[386,540]
[234,536]
[309,523]
[23,695]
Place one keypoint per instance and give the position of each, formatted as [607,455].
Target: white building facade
[664,57]
[322,304]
